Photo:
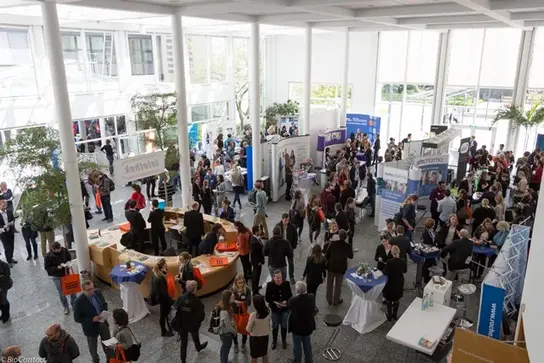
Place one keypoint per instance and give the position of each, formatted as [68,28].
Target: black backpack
[112,185]
[175,324]
[252,197]
[213,327]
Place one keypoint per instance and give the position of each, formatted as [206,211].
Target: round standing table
[128,280]
[364,314]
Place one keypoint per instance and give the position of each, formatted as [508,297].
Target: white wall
[285,63]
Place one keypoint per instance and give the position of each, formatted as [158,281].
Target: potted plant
[530,119]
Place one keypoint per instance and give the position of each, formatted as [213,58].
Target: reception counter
[106,251]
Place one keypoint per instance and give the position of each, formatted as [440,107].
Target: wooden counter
[106,251]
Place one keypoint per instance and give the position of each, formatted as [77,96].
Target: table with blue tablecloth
[364,314]
[128,281]
[487,251]
[419,259]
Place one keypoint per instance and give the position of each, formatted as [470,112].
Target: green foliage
[290,108]
[45,198]
[533,117]
[155,111]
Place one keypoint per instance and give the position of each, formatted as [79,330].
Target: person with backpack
[105,187]
[189,315]
[226,329]
[57,346]
[314,220]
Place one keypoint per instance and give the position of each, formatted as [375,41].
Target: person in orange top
[138,197]
[242,243]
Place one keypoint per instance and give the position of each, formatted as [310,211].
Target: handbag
[199,278]
[70,283]
[321,215]
[241,320]
[171,286]
[133,352]
[120,356]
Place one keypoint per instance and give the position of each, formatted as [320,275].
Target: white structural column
[64,119]
[305,124]
[255,99]
[441,75]
[520,87]
[181,111]
[344,101]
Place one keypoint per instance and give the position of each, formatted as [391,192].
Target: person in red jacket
[536,179]
[138,197]
[328,201]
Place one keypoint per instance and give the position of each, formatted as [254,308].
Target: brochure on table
[281,150]
[433,170]
[365,124]
[332,139]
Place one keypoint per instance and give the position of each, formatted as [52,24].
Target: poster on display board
[433,170]
[393,193]
[364,124]
[462,161]
[490,317]
[290,123]
[297,149]
[333,139]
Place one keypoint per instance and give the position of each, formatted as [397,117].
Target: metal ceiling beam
[466,26]
[530,15]
[336,11]
[413,10]
[533,23]
[302,3]
[204,9]
[126,6]
[484,7]
[516,4]
[296,17]
[447,19]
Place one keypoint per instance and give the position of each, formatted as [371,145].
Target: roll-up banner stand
[281,150]
[393,194]
[462,162]
[365,124]
[490,317]
[433,170]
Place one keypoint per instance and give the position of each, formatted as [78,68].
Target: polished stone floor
[35,305]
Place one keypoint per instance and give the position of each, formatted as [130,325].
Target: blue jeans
[226,344]
[302,343]
[280,318]
[63,299]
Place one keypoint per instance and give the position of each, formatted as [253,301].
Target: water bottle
[424,302]
[431,300]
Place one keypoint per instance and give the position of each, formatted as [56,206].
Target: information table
[129,281]
[415,324]
[364,314]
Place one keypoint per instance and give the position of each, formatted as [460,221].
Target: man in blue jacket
[88,311]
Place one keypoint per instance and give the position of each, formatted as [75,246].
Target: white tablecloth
[133,301]
[364,314]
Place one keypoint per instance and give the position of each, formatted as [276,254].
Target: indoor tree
[33,157]
[289,108]
[520,118]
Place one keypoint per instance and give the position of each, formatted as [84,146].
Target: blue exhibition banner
[249,167]
[490,318]
[433,170]
[364,124]
[540,141]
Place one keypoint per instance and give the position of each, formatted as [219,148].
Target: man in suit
[371,190]
[156,217]
[459,250]
[88,309]
[377,147]
[301,322]
[404,245]
[137,226]
[289,233]
[191,313]
[341,217]
[256,257]
[7,232]
[194,224]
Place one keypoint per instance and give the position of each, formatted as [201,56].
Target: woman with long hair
[186,272]
[207,197]
[227,329]
[242,301]
[242,243]
[500,207]
[408,215]
[298,211]
[315,270]
[259,326]
[394,287]
[159,294]
[383,251]
[207,245]
[480,214]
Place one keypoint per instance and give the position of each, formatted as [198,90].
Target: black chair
[331,353]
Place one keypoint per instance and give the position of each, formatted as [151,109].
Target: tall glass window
[141,54]
[406,71]
[207,59]
[16,64]
[101,54]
